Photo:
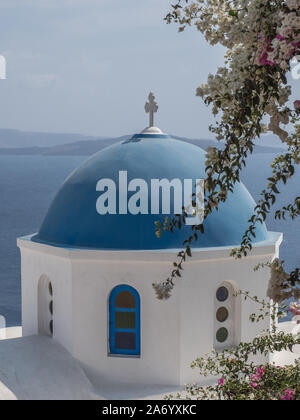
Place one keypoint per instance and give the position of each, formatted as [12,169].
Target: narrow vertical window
[124,321]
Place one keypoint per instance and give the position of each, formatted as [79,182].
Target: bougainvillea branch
[236,375]
[261,38]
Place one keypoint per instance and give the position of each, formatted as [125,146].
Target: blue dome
[73,222]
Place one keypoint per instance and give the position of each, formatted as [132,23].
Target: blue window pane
[222,294]
[125,340]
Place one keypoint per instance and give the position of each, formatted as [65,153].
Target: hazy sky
[87,66]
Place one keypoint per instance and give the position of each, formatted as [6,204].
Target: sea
[28,185]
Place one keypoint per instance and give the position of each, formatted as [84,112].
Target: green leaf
[233,13]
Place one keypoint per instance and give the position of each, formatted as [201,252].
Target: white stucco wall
[35,264]
[173,332]
[198,312]
[92,284]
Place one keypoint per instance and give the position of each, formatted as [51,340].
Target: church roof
[73,221]
[79,216]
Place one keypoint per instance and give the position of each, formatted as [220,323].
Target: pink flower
[257,377]
[295,46]
[294,311]
[297,108]
[280,37]
[221,382]
[260,371]
[263,61]
[264,47]
[288,395]
[254,385]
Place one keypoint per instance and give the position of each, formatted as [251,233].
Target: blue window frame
[124,321]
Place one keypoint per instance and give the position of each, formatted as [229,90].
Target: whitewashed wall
[34,264]
[173,332]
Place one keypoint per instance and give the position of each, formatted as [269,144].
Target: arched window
[124,321]
[227,316]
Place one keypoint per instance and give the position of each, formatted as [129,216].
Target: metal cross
[151,107]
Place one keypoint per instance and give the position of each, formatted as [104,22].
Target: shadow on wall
[45,306]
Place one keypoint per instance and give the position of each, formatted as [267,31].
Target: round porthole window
[222,294]
[222,335]
[222,314]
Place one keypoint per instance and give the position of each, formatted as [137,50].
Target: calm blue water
[29,183]
[254,176]
[27,187]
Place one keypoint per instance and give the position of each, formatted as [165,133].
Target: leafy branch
[244,92]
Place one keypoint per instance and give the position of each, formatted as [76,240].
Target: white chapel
[87,274]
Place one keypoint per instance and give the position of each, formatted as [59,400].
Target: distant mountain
[20,139]
[78,148]
[78,145]
[204,144]
[270,140]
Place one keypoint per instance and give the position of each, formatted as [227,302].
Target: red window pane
[222,314]
[125,300]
